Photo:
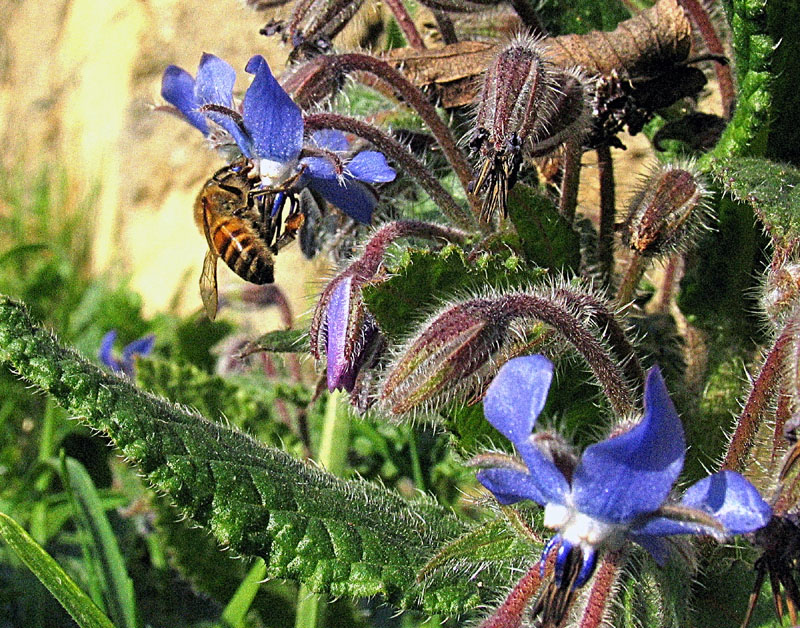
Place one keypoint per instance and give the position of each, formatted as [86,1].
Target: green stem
[38,524]
[236,610]
[332,455]
[416,467]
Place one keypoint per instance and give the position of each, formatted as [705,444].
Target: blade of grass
[105,558]
[236,610]
[75,602]
[332,455]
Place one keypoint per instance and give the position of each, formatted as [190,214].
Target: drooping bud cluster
[342,329]
[459,350]
[313,24]
[527,107]
[668,211]
[782,290]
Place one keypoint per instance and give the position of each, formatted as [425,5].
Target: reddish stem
[413,96]
[406,24]
[601,594]
[396,151]
[702,22]
[570,180]
[509,613]
[758,402]
[605,237]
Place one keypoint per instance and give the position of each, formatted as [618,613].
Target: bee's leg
[291,225]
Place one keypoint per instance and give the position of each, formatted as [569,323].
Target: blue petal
[517,395]
[510,486]
[631,474]
[732,499]
[657,547]
[177,88]
[331,139]
[105,353]
[274,122]
[215,81]
[340,372]
[319,168]
[587,568]
[370,166]
[142,346]
[355,199]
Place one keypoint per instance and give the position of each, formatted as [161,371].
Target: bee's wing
[208,278]
[208,285]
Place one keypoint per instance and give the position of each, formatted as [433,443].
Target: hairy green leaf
[771,189]
[545,237]
[280,341]
[423,280]
[51,575]
[342,537]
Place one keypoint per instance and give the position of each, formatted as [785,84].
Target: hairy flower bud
[342,329]
[667,212]
[449,353]
[782,291]
[527,107]
[313,24]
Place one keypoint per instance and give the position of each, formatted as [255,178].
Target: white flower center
[273,173]
[579,529]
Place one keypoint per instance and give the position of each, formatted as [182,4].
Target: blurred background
[79,80]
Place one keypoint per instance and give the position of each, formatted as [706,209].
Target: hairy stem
[510,613]
[351,62]
[765,387]
[603,585]
[699,16]
[605,236]
[396,151]
[407,25]
[571,177]
[607,372]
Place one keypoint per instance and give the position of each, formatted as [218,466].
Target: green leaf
[581,16]
[74,601]
[545,238]
[280,341]
[754,42]
[718,288]
[423,280]
[771,189]
[107,561]
[337,536]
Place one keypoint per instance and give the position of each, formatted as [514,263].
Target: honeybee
[243,224]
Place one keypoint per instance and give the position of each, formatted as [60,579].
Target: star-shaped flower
[267,128]
[141,346]
[620,488]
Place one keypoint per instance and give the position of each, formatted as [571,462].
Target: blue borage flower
[267,128]
[619,488]
[142,346]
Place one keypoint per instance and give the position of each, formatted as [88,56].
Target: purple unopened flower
[267,128]
[620,488]
[141,346]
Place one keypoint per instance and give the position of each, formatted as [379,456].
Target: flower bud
[450,354]
[313,24]
[343,330]
[782,290]
[527,107]
[667,212]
